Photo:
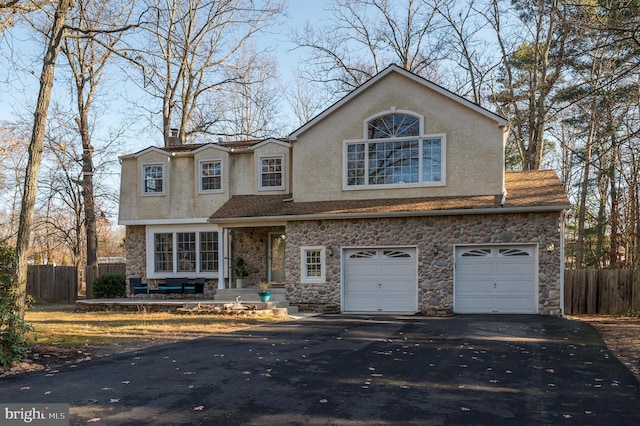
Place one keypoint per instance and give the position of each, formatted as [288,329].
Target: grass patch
[59,325]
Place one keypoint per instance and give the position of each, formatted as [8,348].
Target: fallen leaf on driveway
[324,401]
[465,409]
[198,408]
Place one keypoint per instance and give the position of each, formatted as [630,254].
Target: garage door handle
[379,285]
[495,285]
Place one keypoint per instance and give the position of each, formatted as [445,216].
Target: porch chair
[195,288]
[199,287]
[136,287]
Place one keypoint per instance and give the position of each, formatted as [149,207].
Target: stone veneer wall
[252,244]
[135,251]
[435,270]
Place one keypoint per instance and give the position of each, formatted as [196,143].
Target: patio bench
[172,286]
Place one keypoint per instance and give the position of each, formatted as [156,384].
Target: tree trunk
[582,207]
[35,150]
[89,203]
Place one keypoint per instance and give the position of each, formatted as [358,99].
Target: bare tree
[13,158]
[306,99]
[471,58]
[252,102]
[8,12]
[54,42]
[87,58]
[191,48]
[365,36]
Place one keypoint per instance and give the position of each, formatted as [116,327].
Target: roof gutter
[242,221]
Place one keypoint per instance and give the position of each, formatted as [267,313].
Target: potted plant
[240,270]
[263,291]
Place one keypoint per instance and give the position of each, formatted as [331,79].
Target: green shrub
[13,329]
[110,285]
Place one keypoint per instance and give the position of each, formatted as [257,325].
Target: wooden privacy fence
[611,291]
[59,284]
[52,284]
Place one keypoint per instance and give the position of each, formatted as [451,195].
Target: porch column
[222,262]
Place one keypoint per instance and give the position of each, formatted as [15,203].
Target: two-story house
[394,199]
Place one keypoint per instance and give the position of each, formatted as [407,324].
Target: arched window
[393,126]
[396,152]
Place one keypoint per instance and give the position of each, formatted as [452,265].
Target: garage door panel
[476,287]
[513,285]
[361,302]
[476,304]
[380,280]
[514,305]
[515,268]
[478,269]
[494,279]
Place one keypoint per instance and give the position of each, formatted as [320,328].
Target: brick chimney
[174,140]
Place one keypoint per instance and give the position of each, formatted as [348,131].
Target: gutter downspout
[562,264]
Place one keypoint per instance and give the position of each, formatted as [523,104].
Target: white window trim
[422,137]
[284,172]
[199,176]
[149,247]
[143,181]
[303,264]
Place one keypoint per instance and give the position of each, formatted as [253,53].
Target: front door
[276,257]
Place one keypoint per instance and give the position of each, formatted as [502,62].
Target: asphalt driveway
[352,370]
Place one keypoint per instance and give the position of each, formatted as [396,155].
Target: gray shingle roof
[531,190]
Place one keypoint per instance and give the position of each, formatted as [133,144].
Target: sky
[19,90]
[21,62]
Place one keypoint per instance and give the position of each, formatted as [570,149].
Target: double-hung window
[395,152]
[153,179]
[182,251]
[313,264]
[272,172]
[210,175]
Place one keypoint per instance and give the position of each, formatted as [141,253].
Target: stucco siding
[474,144]
[181,198]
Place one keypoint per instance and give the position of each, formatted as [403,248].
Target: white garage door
[495,280]
[380,280]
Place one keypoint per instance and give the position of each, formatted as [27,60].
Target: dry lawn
[65,336]
[622,336]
